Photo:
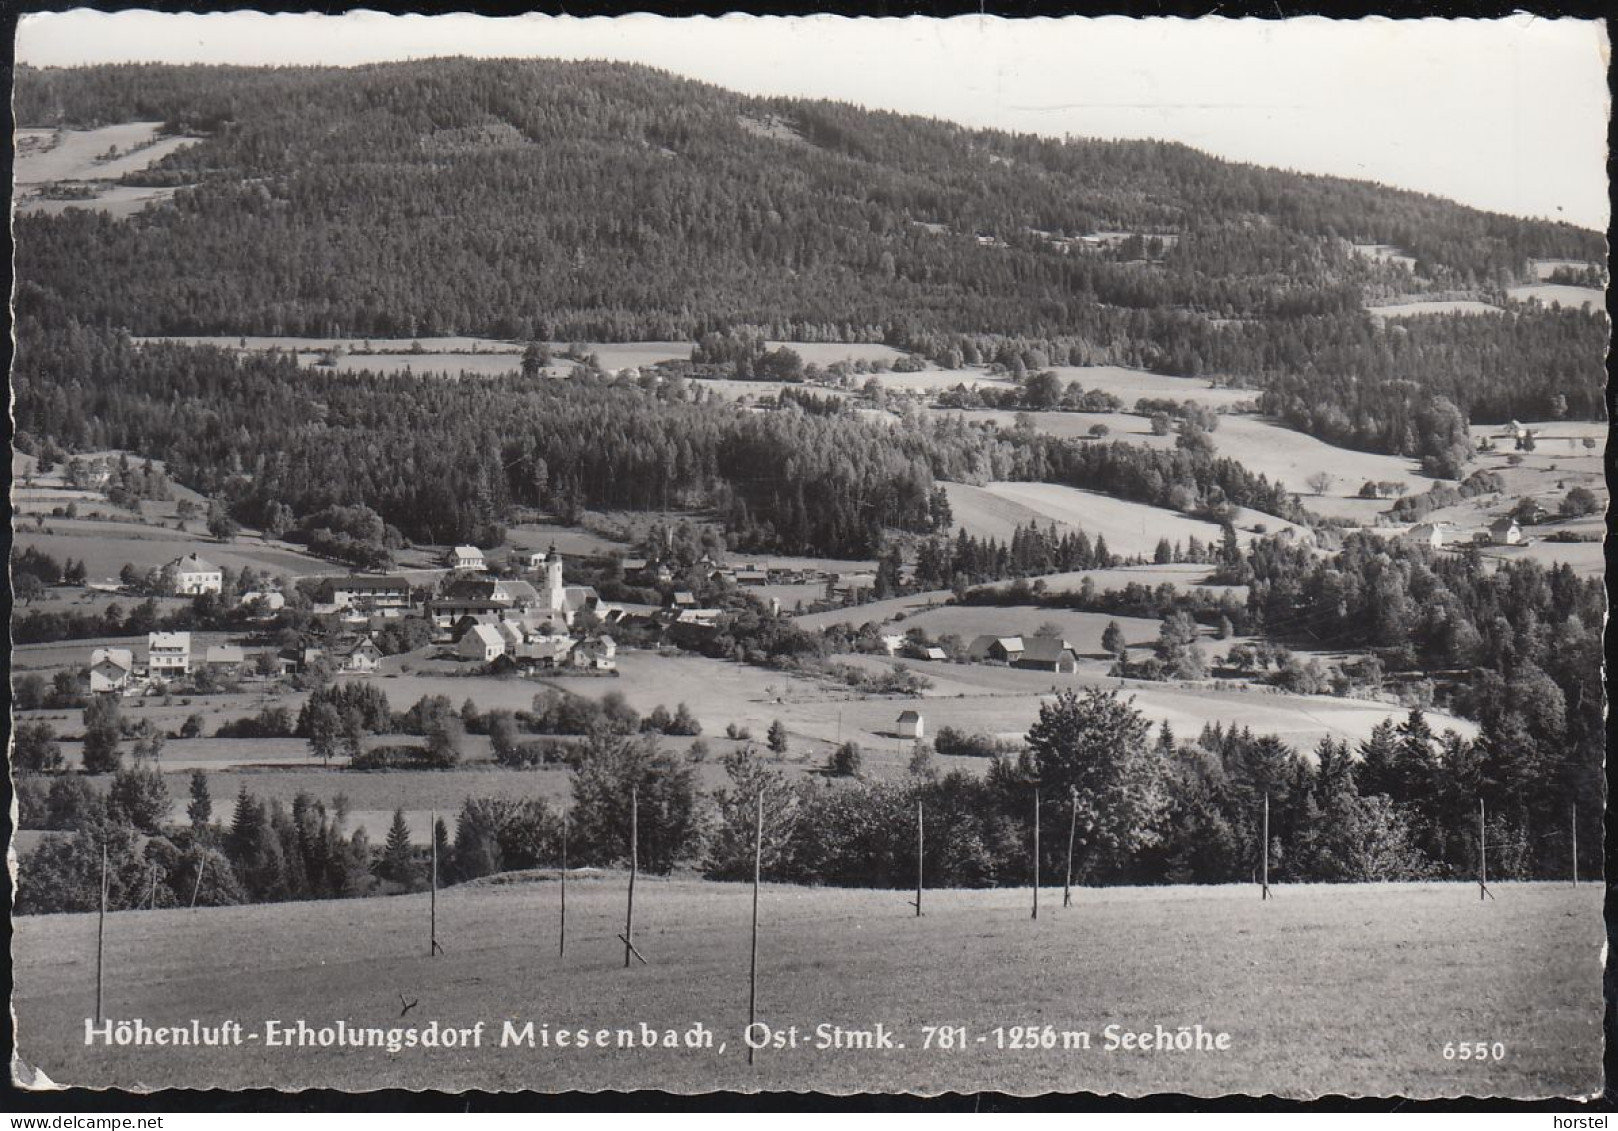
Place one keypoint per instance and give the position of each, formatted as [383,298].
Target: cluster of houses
[1500,532]
[168,657]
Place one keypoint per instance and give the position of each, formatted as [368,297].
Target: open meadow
[996,510]
[1352,990]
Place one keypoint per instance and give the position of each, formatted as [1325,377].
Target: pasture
[996,510]
[1004,702]
[1082,631]
[1417,308]
[1554,293]
[80,158]
[105,547]
[1352,990]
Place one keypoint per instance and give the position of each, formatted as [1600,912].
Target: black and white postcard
[815,554]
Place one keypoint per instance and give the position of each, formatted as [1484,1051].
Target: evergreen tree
[398,864]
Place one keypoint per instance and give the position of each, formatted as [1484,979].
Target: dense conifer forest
[599,201]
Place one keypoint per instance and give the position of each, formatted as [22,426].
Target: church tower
[555,591]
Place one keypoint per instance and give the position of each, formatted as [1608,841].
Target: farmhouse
[935,653]
[598,653]
[1424,534]
[227,657]
[1505,532]
[482,642]
[996,649]
[359,655]
[892,642]
[111,669]
[911,725]
[194,575]
[466,559]
[364,592]
[168,654]
[1047,655]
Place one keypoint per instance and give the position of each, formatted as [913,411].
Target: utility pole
[1036,853]
[1072,827]
[1265,892]
[433,949]
[634,866]
[921,845]
[101,930]
[561,933]
[752,970]
[1573,812]
[1483,855]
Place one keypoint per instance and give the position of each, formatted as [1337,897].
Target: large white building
[194,575]
[168,654]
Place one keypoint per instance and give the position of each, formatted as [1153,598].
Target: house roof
[909,716]
[485,634]
[122,657]
[1044,649]
[1501,525]
[225,654]
[191,563]
[181,640]
[358,583]
[1009,643]
[468,552]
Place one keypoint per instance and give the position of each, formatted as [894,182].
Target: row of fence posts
[628,936]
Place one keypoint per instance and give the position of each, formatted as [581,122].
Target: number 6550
[1474,1050]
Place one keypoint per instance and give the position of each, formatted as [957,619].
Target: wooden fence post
[1483,854]
[202,863]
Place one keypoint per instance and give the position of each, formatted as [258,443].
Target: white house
[111,669]
[194,575]
[1424,534]
[1505,532]
[359,655]
[911,725]
[367,592]
[482,642]
[467,559]
[168,654]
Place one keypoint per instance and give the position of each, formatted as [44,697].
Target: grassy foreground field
[1349,990]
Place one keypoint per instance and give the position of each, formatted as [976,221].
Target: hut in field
[911,725]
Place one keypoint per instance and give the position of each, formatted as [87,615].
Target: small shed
[911,725]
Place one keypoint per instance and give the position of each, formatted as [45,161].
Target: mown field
[996,510]
[1350,990]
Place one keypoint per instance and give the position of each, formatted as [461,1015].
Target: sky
[1508,115]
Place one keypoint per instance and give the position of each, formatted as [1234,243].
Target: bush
[35,750]
[846,760]
[271,722]
[958,744]
[141,797]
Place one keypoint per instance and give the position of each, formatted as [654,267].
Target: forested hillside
[538,199]
[445,461]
